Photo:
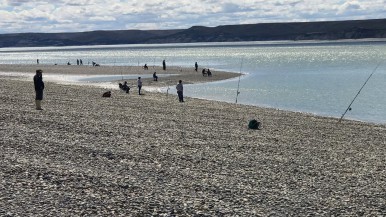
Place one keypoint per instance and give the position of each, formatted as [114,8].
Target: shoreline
[172,75]
[150,155]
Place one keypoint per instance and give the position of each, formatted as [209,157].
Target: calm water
[320,78]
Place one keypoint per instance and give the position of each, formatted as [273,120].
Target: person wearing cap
[39,87]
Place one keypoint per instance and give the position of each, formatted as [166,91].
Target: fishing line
[183,132]
[349,106]
[238,84]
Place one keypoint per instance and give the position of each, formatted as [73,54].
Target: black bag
[107,94]
[253,124]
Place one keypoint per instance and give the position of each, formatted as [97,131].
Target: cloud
[349,6]
[57,15]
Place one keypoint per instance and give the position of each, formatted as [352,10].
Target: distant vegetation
[329,30]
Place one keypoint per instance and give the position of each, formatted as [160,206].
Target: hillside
[328,30]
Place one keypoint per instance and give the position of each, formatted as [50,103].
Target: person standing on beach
[180,90]
[39,87]
[164,65]
[195,66]
[139,82]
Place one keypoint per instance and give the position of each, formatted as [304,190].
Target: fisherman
[203,72]
[209,73]
[39,87]
[139,82]
[180,90]
[125,87]
[155,77]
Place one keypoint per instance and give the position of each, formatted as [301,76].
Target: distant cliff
[328,30]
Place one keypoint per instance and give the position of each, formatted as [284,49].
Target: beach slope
[149,155]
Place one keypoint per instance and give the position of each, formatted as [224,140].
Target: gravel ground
[150,155]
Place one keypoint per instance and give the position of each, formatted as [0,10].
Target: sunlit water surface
[320,78]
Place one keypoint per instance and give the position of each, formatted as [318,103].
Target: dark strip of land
[323,30]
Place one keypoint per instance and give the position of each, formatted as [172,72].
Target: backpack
[107,94]
[253,124]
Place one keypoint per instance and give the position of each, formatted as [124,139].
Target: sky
[48,16]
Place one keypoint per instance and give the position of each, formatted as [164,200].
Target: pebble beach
[149,155]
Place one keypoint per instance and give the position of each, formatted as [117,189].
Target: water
[320,78]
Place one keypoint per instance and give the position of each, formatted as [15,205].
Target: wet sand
[188,75]
[149,155]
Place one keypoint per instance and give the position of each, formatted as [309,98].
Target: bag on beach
[253,124]
[107,94]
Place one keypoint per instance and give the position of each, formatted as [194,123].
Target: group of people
[79,62]
[39,84]
[145,67]
[39,87]
[206,72]
[124,87]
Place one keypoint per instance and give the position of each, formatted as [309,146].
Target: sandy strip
[188,75]
[149,155]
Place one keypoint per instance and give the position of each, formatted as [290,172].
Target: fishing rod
[238,84]
[115,60]
[349,106]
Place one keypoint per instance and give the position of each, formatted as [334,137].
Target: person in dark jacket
[124,87]
[180,90]
[164,65]
[39,87]
[155,77]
